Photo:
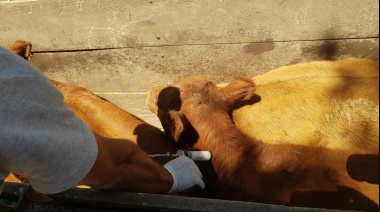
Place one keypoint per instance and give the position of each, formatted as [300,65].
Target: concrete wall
[119,49]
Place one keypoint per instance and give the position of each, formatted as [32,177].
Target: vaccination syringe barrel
[194,155]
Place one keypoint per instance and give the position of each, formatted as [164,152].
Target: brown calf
[196,112]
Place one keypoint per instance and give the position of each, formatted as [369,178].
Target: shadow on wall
[332,49]
[328,50]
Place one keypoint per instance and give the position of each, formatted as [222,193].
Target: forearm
[122,165]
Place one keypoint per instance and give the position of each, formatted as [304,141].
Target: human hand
[185,174]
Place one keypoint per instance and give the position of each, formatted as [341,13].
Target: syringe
[194,155]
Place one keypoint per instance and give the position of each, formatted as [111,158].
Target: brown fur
[332,104]
[245,168]
[108,120]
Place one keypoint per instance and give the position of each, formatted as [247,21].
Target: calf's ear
[22,48]
[239,89]
[177,125]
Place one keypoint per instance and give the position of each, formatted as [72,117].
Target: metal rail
[24,199]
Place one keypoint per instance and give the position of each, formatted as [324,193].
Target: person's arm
[122,165]
[41,138]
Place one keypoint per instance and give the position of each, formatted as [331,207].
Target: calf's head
[194,103]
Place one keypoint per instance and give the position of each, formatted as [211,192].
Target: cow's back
[333,104]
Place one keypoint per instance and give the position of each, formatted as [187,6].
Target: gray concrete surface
[77,24]
[119,49]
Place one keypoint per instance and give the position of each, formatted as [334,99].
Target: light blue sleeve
[40,137]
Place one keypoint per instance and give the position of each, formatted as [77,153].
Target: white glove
[185,174]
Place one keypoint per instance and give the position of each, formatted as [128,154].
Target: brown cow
[333,104]
[109,120]
[196,112]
